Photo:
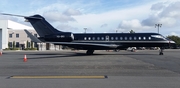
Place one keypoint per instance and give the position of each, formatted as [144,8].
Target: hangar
[13,32]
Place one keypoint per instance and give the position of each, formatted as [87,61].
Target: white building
[11,31]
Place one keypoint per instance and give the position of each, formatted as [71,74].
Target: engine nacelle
[60,37]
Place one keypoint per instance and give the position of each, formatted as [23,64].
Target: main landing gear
[89,52]
[161,51]
[116,50]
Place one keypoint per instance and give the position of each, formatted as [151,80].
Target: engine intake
[60,37]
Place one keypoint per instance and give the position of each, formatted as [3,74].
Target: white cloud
[171,10]
[166,14]
[167,21]
[157,6]
[57,16]
[56,7]
[72,12]
[134,24]
[104,25]
[150,21]
[57,12]
[130,24]
[112,18]
[4,17]
[173,33]
[65,27]
[141,17]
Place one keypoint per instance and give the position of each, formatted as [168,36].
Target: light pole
[158,25]
[85,29]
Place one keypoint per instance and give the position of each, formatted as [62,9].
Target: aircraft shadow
[56,55]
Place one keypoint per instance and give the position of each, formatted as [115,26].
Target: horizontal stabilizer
[21,16]
[39,23]
[33,38]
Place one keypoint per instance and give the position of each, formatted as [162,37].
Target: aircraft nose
[172,42]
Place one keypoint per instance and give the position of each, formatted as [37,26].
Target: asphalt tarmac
[75,69]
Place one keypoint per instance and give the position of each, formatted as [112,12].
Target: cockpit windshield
[158,36]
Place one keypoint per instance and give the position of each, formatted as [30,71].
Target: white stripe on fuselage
[81,41]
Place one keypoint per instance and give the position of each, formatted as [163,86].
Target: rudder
[41,26]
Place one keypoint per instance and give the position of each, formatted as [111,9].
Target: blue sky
[100,15]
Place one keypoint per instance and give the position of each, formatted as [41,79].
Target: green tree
[9,45]
[27,43]
[131,31]
[32,44]
[176,39]
[14,44]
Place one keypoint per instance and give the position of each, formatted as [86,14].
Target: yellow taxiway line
[58,77]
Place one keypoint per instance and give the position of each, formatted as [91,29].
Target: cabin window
[112,38]
[144,38]
[102,38]
[85,38]
[149,38]
[134,38]
[139,38]
[89,38]
[93,38]
[121,38]
[98,38]
[130,38]
[116,38]
[125,38]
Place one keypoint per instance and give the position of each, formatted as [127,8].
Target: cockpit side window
[149,38]
[158,36]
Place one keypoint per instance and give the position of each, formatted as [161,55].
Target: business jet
[94,41]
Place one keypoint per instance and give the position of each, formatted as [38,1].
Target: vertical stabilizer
[41,26]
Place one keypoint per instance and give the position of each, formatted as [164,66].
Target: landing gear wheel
[133,50]
[116,50]
[161,51]
[89,52]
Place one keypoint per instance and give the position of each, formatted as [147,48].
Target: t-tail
[41,26]
[39,23]
[47,32]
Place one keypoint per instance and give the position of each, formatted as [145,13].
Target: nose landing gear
[89,52]
[161,51]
